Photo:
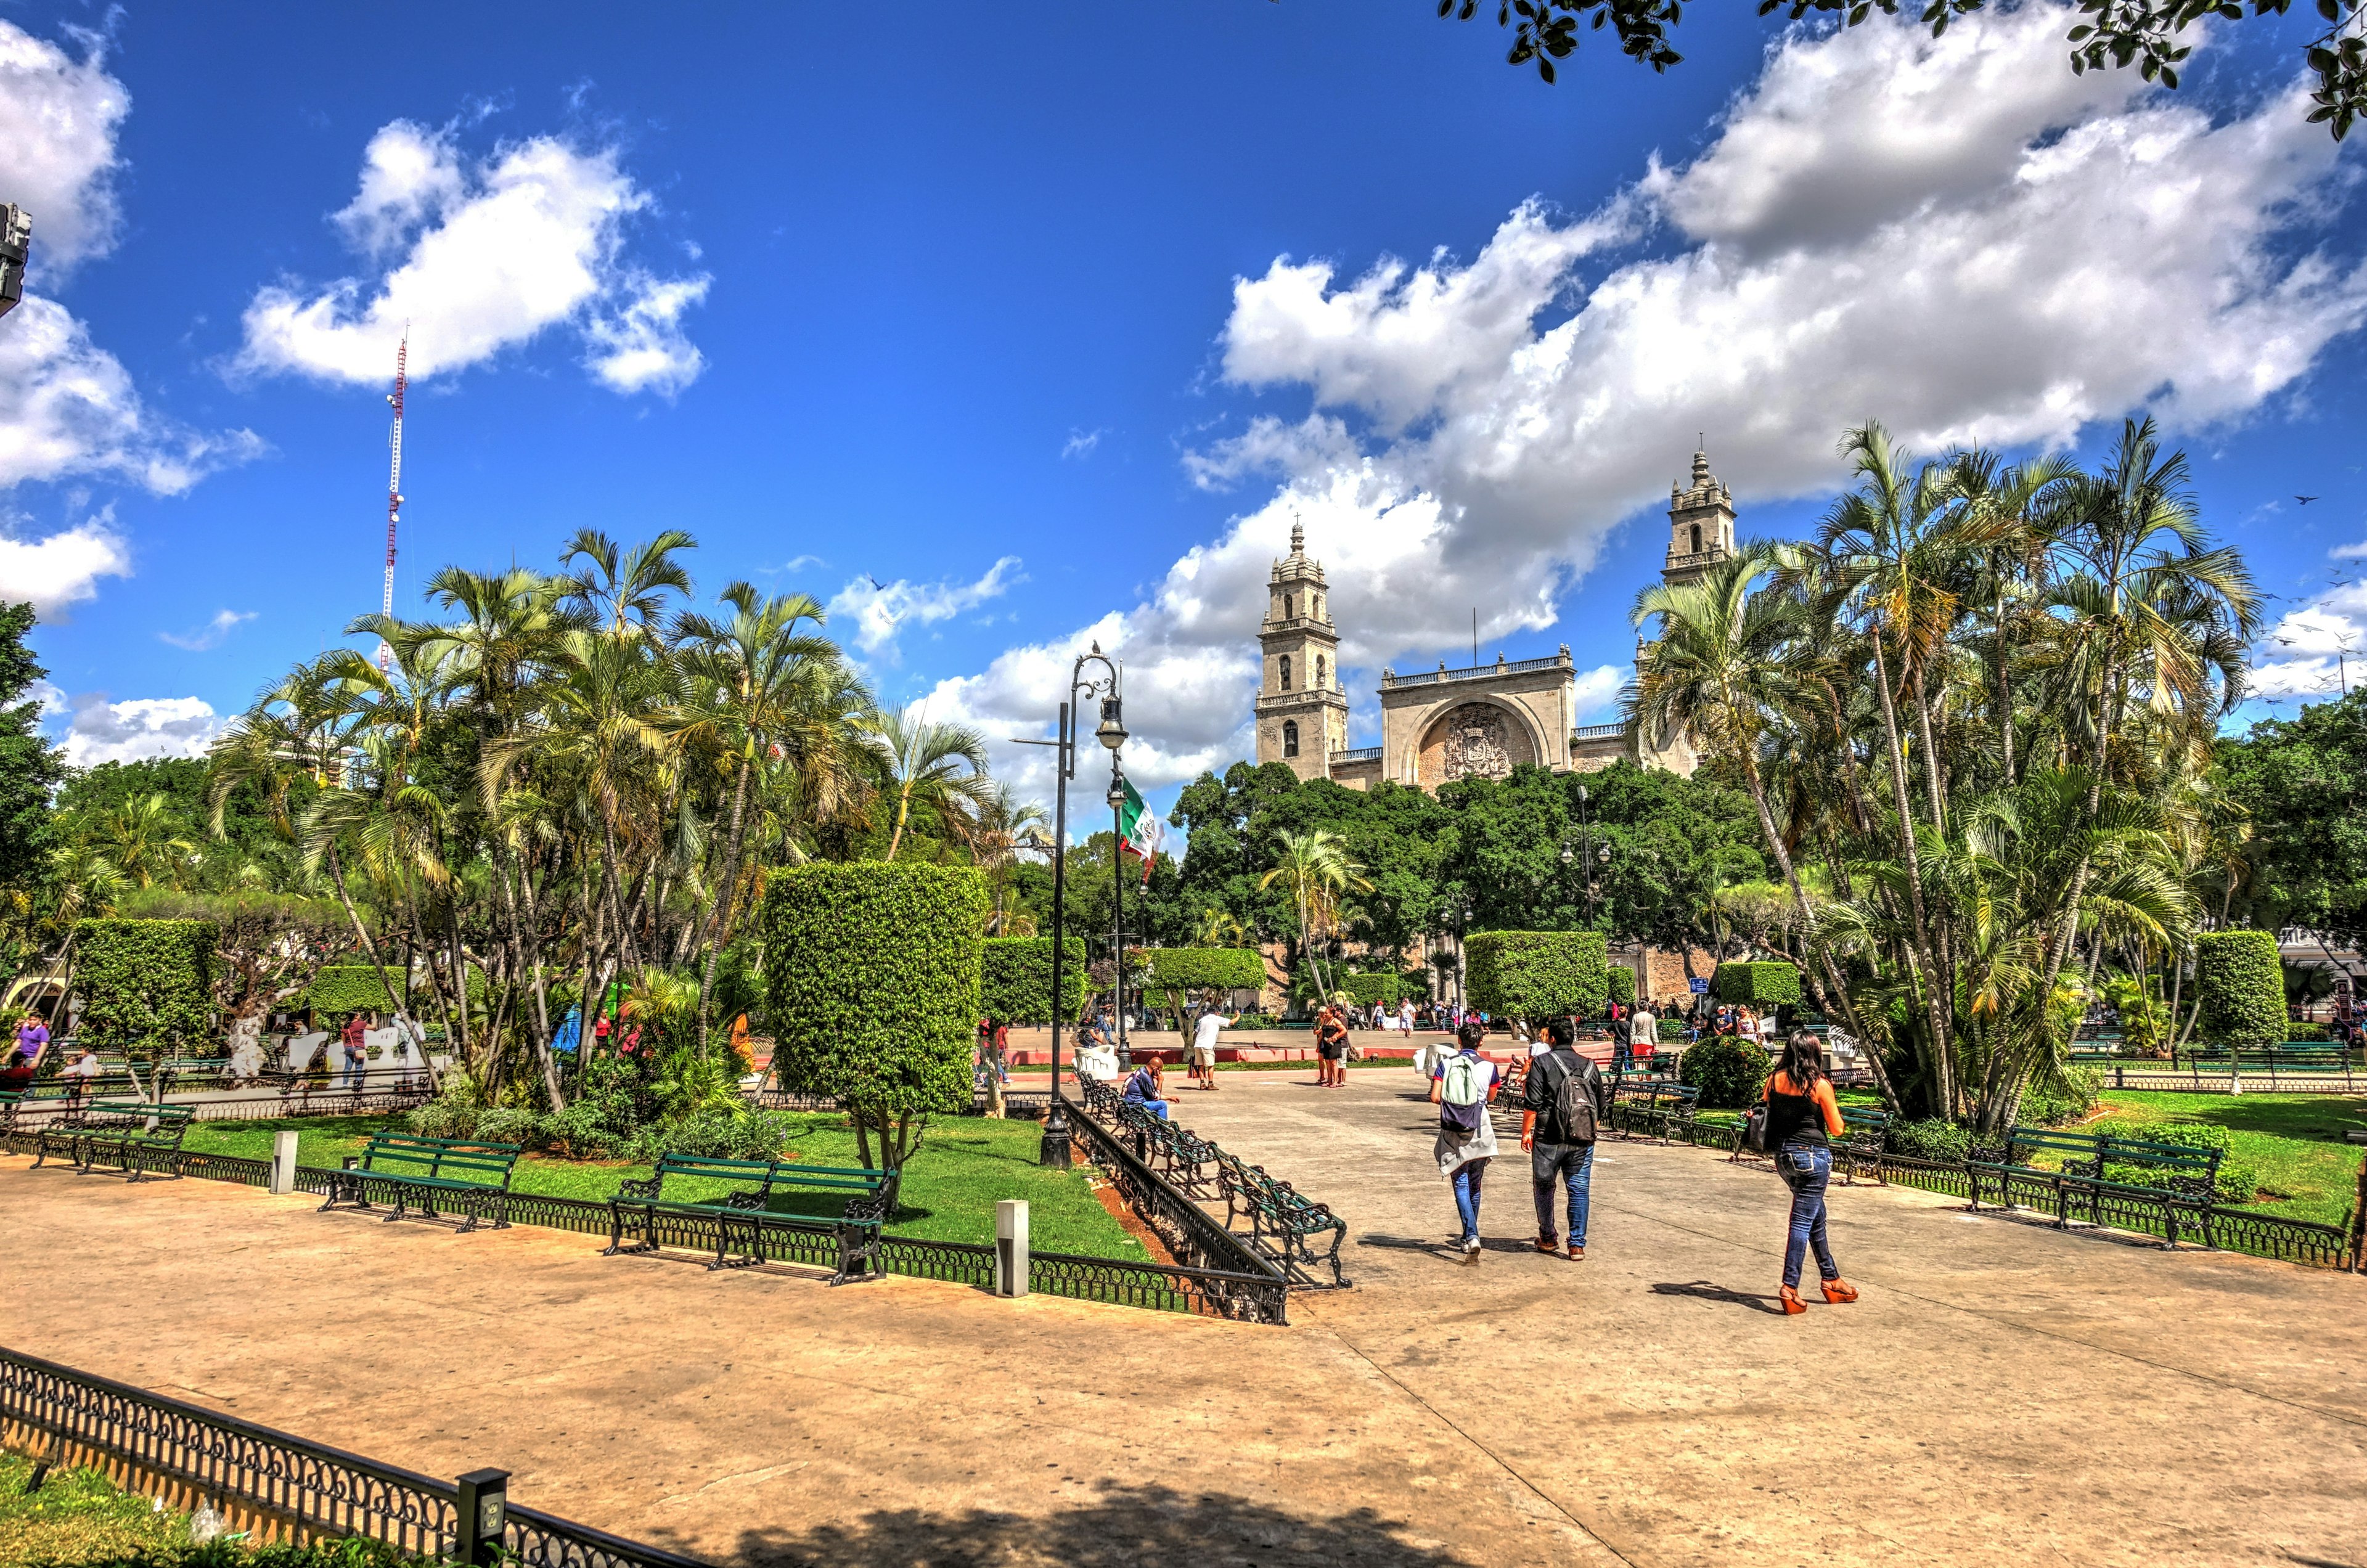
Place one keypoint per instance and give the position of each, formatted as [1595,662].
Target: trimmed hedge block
[1762,985]
[1015,979]
[355,987]
[1366,989]
[1536,974]
[2241,984]
[1623,985]
[871,976]
[146,983]
[1202,968]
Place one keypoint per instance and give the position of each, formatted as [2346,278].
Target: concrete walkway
[2003,1392]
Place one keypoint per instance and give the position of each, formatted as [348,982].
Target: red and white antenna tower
[394,487]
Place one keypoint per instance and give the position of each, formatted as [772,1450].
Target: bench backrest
[2027,1141]
[695,1167]
[2186,1158]
[860,1179]
[1874,1121]
[116,1114]
[440,1160]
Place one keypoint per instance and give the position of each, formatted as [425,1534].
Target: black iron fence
[2168,1214]
[303,1489]
[1208,1281]
[382,1091]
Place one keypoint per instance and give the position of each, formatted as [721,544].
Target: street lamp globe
[1112,731]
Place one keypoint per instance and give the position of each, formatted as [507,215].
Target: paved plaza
[2001,1394]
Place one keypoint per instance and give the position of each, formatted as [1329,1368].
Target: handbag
[1754,1129]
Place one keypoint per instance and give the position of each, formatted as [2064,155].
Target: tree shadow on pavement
[1125,1525]
[1704,1290]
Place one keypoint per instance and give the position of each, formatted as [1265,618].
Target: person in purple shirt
[32,1038]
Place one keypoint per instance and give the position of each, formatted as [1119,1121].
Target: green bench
[1865,1135]
[2181,1179]
[1665,1107]
[121,1131]
[465,1173]
[739,1215]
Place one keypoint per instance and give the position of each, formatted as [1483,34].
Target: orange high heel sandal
[1839,1290]
[1791,1304]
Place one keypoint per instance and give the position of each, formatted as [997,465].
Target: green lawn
[2294,1140]
[963,1168]
[80,1519]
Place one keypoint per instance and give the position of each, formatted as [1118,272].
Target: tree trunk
[370,947]
[717,927]
[1942,1067]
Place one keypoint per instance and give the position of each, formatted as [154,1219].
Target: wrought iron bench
[2182,1186]
[473,1175]
[738,1216]
[1667,1107]
[1865,1135]
[1283,1221]
[118,1131]
[1173,1150]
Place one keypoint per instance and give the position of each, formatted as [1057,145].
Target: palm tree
[941,767]
[995,837]
[143,839]
[1315,869]
[769,693]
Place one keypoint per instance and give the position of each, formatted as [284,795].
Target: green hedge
[1536,974]
[871,976]
[1366,989]
[1623,985]
[2241,984]
[1202,968]
[355,987]
[145,983]
[1762,985]
[2238,1182]
[1729,1071]
[1015,979]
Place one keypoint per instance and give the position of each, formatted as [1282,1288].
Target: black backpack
[1574,1101]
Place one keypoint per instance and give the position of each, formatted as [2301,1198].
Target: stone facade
[1448,724]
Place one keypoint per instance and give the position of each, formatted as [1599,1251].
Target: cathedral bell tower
[1302,714]
[1701,525]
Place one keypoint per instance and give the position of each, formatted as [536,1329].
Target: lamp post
[16,243]
[1118,904]
[1112,734]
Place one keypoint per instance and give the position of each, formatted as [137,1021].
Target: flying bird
[2304,500]
[875,583]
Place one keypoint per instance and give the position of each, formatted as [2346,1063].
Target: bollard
[283,1162]
[1011,1247]
[484,1496]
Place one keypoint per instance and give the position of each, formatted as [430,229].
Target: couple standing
[1565,1101]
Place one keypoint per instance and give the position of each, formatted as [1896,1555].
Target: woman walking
[1802,1119]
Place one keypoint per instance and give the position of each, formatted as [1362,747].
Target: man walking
[1203,1046]
[1461,1088]
[1565,1103]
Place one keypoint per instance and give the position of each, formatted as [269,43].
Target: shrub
[1729,1072]
[1366,989]
[2067,1098]
[451,1114]
[2242,988]
[2238,1182]
[2306,1035]
[1015,979]
[1762,985]
[1536,974]
[872,983]
[355,987]
[718,1134]
[1202,968]
[1940,1141]
[145,983]
[1623,985]
[507,1124]
[1256,1020]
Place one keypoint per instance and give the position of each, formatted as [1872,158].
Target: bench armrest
[351,1161]
[640,1187]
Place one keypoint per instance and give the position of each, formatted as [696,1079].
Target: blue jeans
[1466,1178]
[1805,1168]
[1156,1107]
[1574,1162]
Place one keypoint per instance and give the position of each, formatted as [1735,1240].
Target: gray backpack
[1574,1100]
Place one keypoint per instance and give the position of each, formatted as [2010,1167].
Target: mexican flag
[1144,834]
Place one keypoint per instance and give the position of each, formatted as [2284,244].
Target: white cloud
[1596,697]
[58,117]
[105,732]
[1080,443]
[63,569]
[2350,552]
[2315,650]
[1955,236]
[476,259]
[879,611]
[210,634]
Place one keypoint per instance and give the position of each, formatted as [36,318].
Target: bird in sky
[875,583]
[2304,500]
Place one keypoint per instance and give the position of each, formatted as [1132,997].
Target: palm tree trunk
[370,947]
[1934,787]
[710,936]
[1942,1069]
[530,934]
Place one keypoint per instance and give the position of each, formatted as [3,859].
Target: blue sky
[1047,322]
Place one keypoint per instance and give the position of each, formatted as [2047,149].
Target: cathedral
[1450,724]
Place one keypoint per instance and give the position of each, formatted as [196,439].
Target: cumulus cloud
[104,732]
[67,406]
[1955,236]
[58,117]
[879,611]
[64,568]
[479,257]
[2315,652]
[209,636]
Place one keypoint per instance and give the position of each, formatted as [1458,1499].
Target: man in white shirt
[1203,1046]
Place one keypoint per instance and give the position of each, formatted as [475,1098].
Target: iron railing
[311,1489]
[1477,671]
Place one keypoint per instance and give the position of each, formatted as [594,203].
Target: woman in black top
[1802,1116]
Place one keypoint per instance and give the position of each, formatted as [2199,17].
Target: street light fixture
[1056,1150]
[16,243]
